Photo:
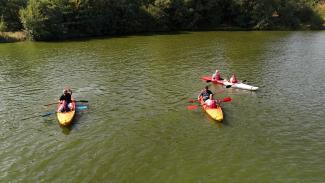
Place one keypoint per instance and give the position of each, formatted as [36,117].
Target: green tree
[9,11]
[59,19]
[3,25]
[211,13]
[42,20]
[256,13]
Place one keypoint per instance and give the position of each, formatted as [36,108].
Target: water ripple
[137,128]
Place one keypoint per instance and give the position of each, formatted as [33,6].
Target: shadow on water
[89,38]
[66,129]
[216,123]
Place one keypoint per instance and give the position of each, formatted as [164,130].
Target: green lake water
[138,129]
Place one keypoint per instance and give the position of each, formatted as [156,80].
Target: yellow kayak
[65,118]
[215,112]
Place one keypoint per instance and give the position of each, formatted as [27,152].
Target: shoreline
[11,37]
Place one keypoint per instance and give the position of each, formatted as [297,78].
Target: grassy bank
[7,37]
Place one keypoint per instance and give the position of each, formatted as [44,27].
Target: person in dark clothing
[65,99]
[206,94]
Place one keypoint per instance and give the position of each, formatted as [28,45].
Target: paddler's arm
[198,97]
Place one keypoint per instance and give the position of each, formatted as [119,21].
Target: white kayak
[225,82]
[240,86]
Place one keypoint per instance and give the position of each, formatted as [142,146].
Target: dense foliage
[9,14]
[59,19]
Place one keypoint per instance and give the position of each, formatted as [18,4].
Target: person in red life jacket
[65,101]
[212,103]
[216,76]
[233,79]
[205,94]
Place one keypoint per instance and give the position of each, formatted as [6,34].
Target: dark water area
[138,128]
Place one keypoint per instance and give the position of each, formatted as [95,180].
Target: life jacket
[211,103]
[233,79]
[216,76]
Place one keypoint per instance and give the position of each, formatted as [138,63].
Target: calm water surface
[138,129]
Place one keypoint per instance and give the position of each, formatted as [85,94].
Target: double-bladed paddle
[84,101]
[79,108]
[191,107]
[41,115]
[227,99]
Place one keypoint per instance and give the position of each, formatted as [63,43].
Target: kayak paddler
[65,101]
[216,76]
[205,94]
[207,97]
[233,79]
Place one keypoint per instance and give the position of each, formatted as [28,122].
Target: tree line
[61,19]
